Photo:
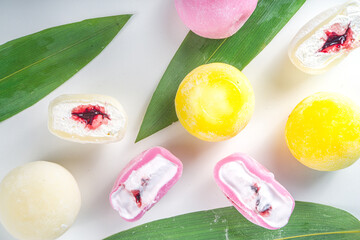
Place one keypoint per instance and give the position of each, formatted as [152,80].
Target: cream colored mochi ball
[38,201]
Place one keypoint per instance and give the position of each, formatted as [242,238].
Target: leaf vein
[58,52]
[216,50]
[319,234]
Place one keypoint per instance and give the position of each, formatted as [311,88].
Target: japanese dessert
[327,39]
[323,131]
[39,200]
[253,191]
[214,102]
[87,118]
[215,19]
[144,181]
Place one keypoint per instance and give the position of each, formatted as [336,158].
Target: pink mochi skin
[260,171]
[137,163]
[215,19]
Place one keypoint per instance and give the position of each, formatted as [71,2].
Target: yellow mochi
[214,102]
[323,132]
[38,201]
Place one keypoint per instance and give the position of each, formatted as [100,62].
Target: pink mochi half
[215,18]
[253,191]
[144,181]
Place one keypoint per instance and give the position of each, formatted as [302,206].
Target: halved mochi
[144,181]
[87,118]
[327,39]
[253,191]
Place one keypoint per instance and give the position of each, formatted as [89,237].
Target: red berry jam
[255,188]
[137,196]
[93,116]
[335,42]
[265,210]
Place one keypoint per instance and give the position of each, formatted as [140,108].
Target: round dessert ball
[323,131]
[215,19]
[214,102]
[38,201]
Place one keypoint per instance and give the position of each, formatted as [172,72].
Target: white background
[129,69]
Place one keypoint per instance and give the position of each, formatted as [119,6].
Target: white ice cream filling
[147,180]
[258,196]
[308,52]
[63,121]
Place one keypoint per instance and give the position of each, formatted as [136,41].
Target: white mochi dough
[38,201]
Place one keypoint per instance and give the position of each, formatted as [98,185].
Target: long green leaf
[33,66]
[308,221]
[268,19]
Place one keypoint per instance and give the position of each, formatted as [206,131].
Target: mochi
[215,19]
[38,201]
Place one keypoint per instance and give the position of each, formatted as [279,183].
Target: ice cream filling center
[142,187]
[94,119]
[258,196]
[93,116]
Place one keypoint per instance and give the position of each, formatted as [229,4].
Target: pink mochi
[144,181]
[215,18]
[253,191]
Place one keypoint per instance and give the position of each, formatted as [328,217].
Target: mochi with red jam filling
[87,118]
[327,39]
[253,191]
[144,181]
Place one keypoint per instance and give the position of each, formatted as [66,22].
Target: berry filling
[263,210]
[92,116]
[137,197]
[255,188]
[335,42]
[137,192]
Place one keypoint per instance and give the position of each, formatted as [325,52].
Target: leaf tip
[140,136]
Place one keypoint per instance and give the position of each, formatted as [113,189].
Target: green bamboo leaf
[269,18]
[308,221]
[33,66]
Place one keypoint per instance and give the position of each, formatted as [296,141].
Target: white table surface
[129,69]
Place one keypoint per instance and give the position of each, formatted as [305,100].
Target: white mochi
[38,201]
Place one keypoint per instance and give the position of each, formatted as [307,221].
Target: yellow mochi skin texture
[38,201]
[214,102]
[323,131]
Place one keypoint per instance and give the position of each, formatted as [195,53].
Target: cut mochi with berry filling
[144,181]
[253,191]
[87,118]
[327,39]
